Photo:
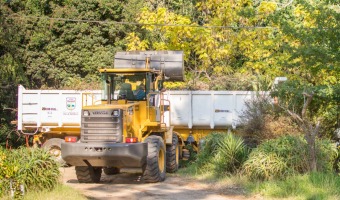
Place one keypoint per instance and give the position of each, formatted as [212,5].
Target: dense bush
[9,137]
[33,168]
[287,155]
[262,120]
[264,166]
[222,153]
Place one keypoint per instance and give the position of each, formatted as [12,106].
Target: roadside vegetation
[273,162]
[27,169]
[276,168]
[285,149]
[32,173]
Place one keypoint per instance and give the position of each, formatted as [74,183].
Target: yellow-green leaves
[227,42]
[267,8]
[134,43]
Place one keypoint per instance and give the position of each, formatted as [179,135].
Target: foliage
[222,153]
[253,117]
[262,120]
[34,168]
[315,185]
[220,50]
[264,166]
[324,106]
[9,138]
[311,32]
[287,155]
[54,51]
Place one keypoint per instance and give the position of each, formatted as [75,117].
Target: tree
[311,42]
[223,44]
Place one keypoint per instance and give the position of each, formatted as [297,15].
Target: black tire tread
[152,173]
[171,157]
[111,170]
[86,175]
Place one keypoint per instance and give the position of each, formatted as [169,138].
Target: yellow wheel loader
[127,127]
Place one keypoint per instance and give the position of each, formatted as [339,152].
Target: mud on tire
[172,155]
[54,147]
[156,160]
[88,175]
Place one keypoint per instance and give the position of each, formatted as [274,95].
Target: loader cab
[128,85]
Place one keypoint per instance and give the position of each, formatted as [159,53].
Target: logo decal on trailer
[70,103]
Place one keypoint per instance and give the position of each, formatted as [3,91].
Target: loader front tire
[172,155]
[156,160]
[88,174]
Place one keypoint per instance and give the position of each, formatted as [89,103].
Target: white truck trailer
[51,115]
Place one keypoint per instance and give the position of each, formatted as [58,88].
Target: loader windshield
[129,86]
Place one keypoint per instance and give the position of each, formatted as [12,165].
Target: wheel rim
[161,160]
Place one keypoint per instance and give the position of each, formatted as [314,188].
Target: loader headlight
[86,113]
[115,113]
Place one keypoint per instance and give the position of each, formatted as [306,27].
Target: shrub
[290,150]
[261,120]
[253,117]
[9,137]
[32,167]
[264,166]
[222,153]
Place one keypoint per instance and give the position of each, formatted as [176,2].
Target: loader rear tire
[88,174]
[111,170]
[54,147]
[172,155]
[156,160]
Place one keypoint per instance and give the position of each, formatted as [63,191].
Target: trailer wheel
[54,147]
[88,174]
[111,170]
[172,155]
[155,164]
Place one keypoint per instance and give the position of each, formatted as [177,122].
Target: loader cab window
[129,86]
[107,86]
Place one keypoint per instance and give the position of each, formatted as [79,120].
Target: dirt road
[128,185]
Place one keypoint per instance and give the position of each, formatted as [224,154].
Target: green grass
[309,186]
[312,186]
[60,192]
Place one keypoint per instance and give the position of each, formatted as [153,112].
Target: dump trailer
[51,115]
[115,128]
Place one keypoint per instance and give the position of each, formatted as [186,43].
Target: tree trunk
[310,131]
[310,138]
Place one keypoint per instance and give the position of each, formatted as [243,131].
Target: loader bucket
[170,62]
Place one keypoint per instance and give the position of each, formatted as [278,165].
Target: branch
[306,104]
[291,113]
[295,116]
